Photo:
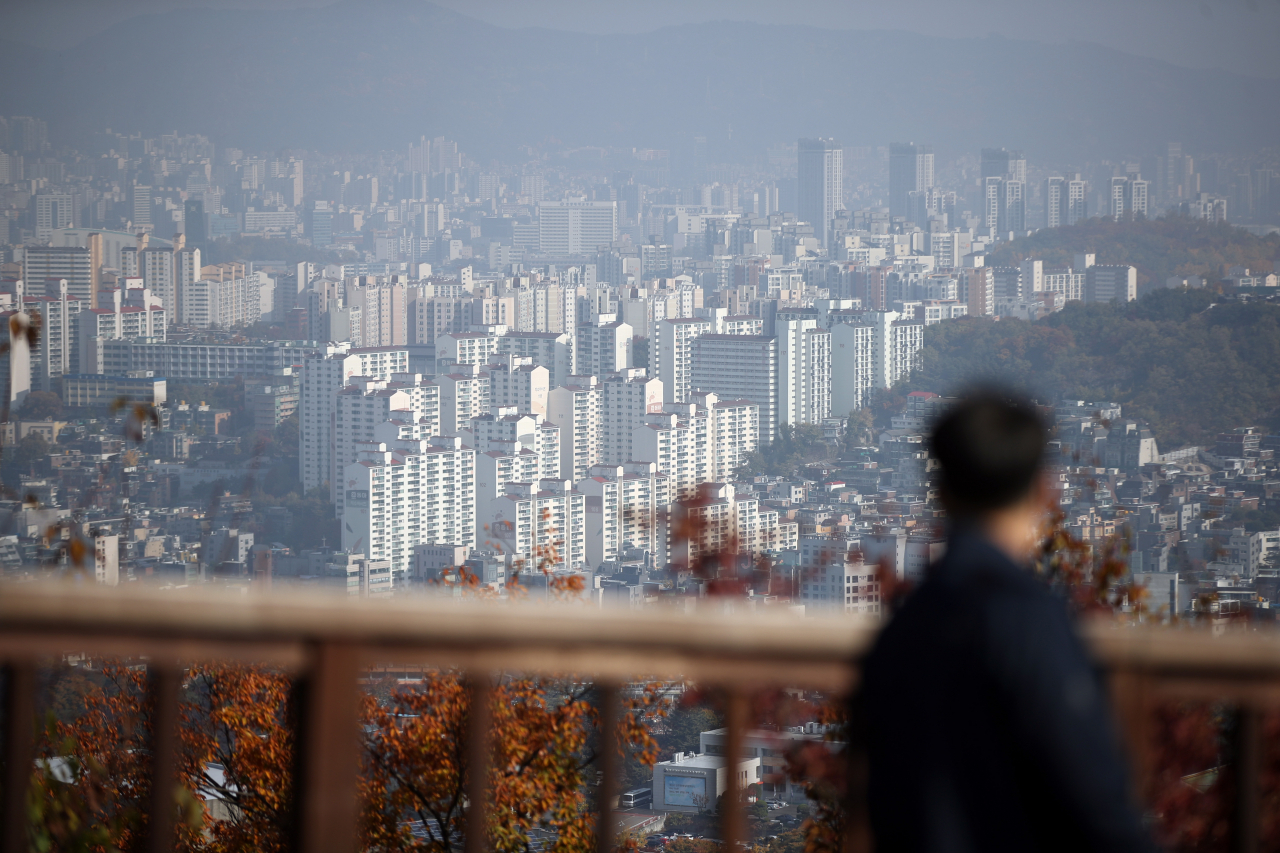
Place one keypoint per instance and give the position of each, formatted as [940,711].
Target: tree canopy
[41,405]
[1189,365]
[1158,248]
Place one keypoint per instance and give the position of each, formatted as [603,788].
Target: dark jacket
[987,726]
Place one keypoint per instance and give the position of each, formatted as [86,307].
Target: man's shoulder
[973,597]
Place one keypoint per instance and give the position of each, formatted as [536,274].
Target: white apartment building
[625,507]
[323,376]
[365,404]
[626,397]
[853,361]
[873,350]
[464,394]
[604,346]
[226,304]
[1067,281]
[503,463]
[45,265]
[164,271]
[541,526]
[671,355]
[948,248]
[698,442]
[833,576]
[740,367]
[576,409]
[465,348]
[505,430]
[732,434]
[1110,283]
[552,350]
[53,211]
[678,446]
[57,351]
[727,523]
[931,311]
[576,227]
[116,321]
[516,382]
[906,339]
[384,311]
[399,496]
[804,372]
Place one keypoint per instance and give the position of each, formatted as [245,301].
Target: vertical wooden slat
[165,683]
[1131,699]
[609,764]
[479,760]
[733,825]
[19,754]
[329,751]
[1248,749]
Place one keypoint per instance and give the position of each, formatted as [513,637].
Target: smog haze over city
[626,336]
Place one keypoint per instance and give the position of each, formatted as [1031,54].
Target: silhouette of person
[987,726]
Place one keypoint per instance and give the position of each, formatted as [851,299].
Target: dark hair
[990,447]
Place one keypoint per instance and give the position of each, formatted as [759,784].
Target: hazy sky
[1237,35]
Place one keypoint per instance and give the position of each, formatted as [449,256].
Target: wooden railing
[325,643]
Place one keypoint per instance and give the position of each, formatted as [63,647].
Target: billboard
[686,791]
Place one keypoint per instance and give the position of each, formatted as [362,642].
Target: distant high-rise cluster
[569,359]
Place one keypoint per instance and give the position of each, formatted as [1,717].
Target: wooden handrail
[281,622]
[326,640]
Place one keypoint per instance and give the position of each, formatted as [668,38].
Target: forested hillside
[1187,364]
[1159,248]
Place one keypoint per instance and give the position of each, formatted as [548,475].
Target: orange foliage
[238,725]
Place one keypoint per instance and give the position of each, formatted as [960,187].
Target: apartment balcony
[327,644]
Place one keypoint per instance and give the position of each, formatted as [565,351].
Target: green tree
[1189,370]
[31,450]
[683,727]
[1158,248]
[41,405]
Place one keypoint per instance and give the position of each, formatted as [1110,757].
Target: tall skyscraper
[910,169]
[1055,191]
[141,206]
[1128,197]
[53,211]
[575,227]
[1077,200]
[741,367]
[420,167]
[1002,163]
[804,372]
[321,231]
[820,184]
[194,226]
[44,266]
[1004,183]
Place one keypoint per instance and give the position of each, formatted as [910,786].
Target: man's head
[991,448]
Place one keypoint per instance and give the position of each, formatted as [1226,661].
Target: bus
[637,799]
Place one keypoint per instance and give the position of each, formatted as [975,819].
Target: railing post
[1248,749]
[166,681]
[1131,699]
[19,753]
[328,751]
[479,760]
[733,825]
[610,718]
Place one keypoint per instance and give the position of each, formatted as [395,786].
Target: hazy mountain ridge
[374,75]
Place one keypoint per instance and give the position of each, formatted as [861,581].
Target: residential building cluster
[542,371]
